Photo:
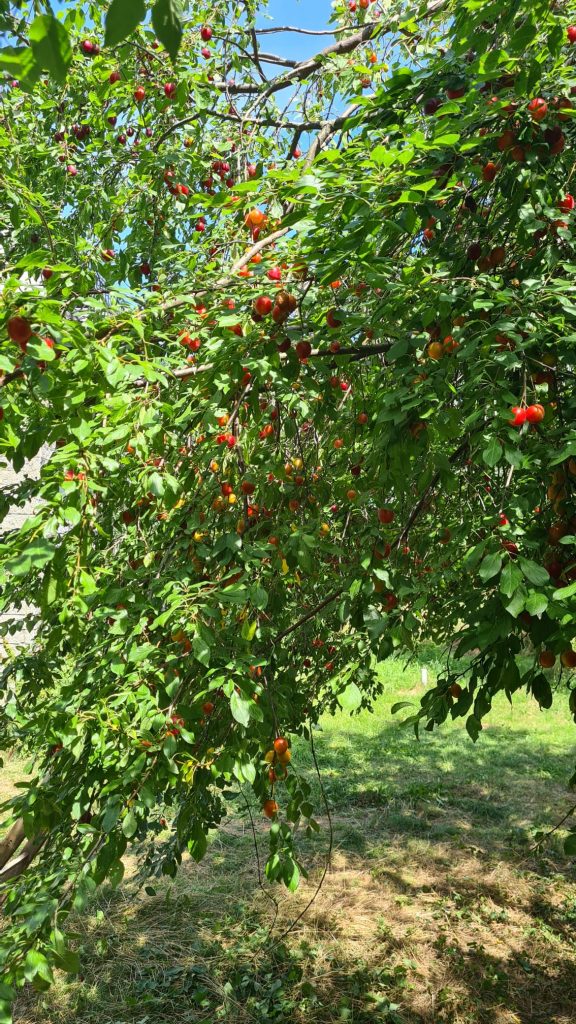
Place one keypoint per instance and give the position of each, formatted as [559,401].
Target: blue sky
[311,14]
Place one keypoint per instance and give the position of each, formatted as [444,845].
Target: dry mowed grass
[435,908]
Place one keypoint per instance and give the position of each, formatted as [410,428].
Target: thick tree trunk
[20,863]
[11,842]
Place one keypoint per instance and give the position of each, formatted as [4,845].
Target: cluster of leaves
[46,45]
[245,504]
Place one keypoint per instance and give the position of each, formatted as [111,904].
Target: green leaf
[473,727]
[17,60]
[198,846]
[292,875]
[36,965]
[122,18]
[533,572]
[536,604]
[51,45]
[259,598]
[350,698]
[400,705]
[156,485]
[493,452]
[517,602]
[201,651]
[490,566]
[167,24]
[564,592]
[510,578]
[111,813]
[248,629]
[129,825]
[69,961]
[241,708]
[542,691]
[115,872]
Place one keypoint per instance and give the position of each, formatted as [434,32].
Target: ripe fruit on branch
[538,108]
[449,344]
[274,274]
[519,416]
[435,350]
[568,658]
[19,330]
[511,548]
[547,659]
[280,745]
[206,33]
[535,413]
[455,690]
[571,33]
[506,140]
[567,204]
[263,305]
[139,94]
[385,515]
[170,89]
[431,106]
[303,349]
[332,319]
[208,707]
[255,218]
[489,171]
[270,808]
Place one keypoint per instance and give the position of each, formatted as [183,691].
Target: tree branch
[422,502]
[306,618]
[303,69]
[306,31]
[19,865]
[11,842]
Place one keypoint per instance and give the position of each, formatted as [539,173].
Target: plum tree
[273,364]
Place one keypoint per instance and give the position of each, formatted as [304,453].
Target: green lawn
[435,908]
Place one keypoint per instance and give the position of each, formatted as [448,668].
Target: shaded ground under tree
[436,907]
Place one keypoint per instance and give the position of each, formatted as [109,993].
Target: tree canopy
[298,339]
